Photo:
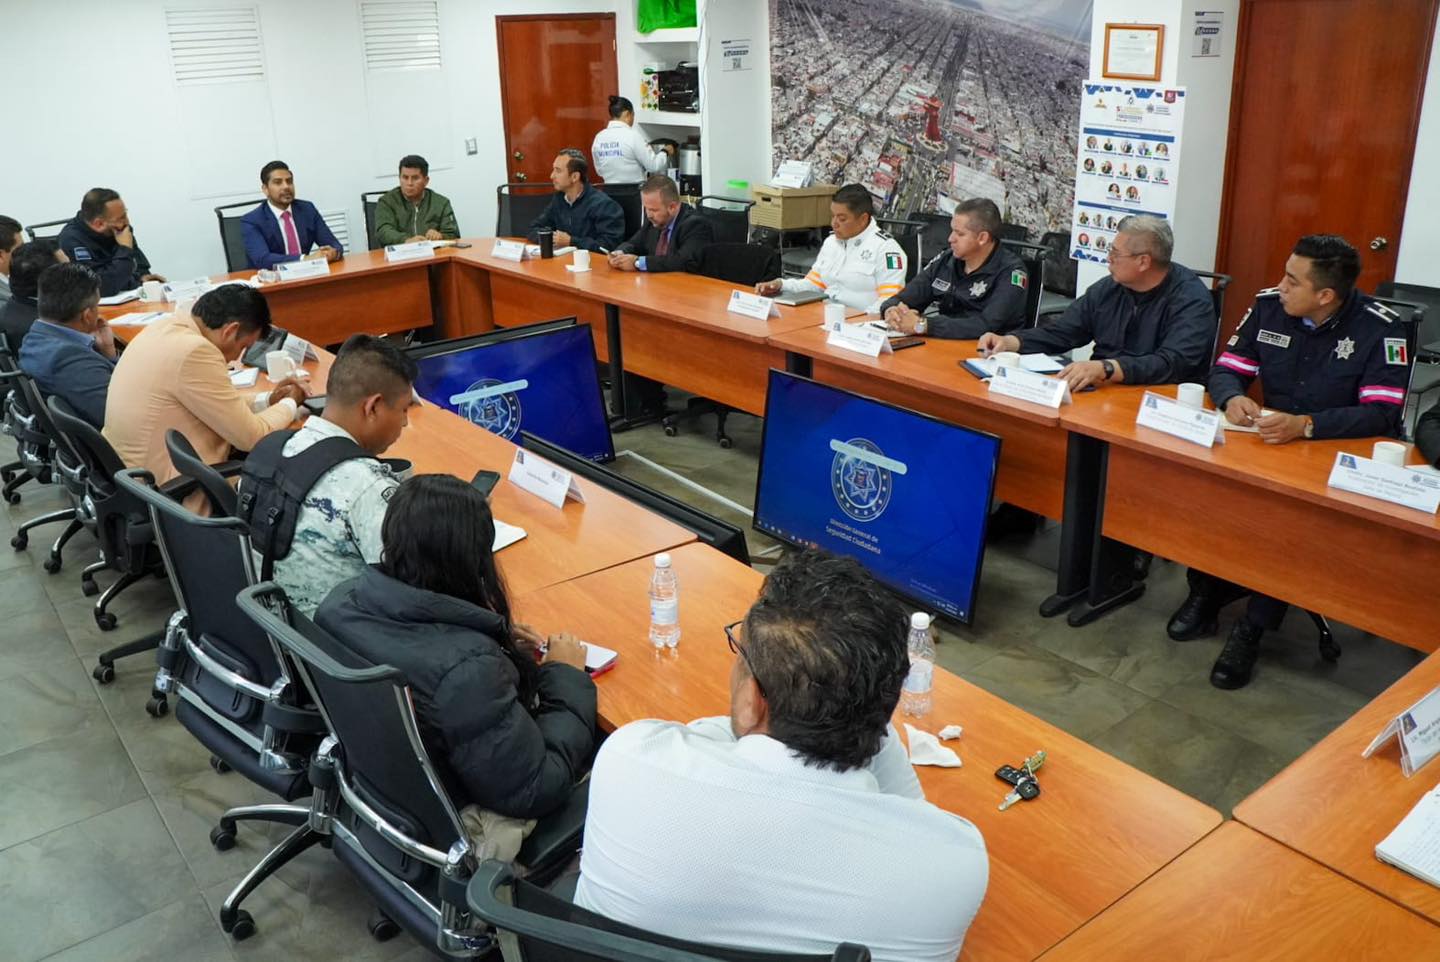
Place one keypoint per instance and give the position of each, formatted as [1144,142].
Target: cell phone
[485,481]
[604,251]
[315,405]
[901,343]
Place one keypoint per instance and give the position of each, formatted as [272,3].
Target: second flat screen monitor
[906,494]
[538,378]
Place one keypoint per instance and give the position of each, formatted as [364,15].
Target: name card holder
[1022,385]
[508,250]
[416,251]
[1415,487]
[1169,416]
[1418,728]
[184,290]
[299,350]
[543,479]
[863,338]
[752,305]
[299,270]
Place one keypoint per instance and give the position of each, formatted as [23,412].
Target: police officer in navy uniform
[979,285]
[1332,363]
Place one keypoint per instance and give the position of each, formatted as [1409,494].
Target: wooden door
[1322,134]
[557,72]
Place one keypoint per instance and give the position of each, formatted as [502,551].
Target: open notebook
[1414,846]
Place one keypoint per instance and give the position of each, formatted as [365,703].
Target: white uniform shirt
[622,156]
[697,835]
[338,531]
[859,272]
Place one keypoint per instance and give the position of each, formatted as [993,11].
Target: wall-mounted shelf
[670,35]
[670,118]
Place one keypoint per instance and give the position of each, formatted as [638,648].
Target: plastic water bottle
[664,605]
[915,696]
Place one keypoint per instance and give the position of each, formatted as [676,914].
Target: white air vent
[400,34]
[339,224]
[215,46]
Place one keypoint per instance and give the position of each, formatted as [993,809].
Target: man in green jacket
[412,211]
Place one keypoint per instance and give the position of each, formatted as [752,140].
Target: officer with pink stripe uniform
[1332,363]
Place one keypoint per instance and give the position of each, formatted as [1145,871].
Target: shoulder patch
[1020,279]
[1268,292]
[1248,311]
[1383,311]
[894,262]
[936,259]
[883,235]
[82,254]
[1395,352]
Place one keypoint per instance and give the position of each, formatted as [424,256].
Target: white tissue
[951,731]
[925,749]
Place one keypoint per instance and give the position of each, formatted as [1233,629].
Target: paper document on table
[1246,428]
[533,250]
[984,367]
[139,320]
[1414,846]
[506,535]
[245,377]
[124,297]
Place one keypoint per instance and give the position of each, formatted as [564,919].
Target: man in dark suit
[70,350]
[284,229]
[673,235]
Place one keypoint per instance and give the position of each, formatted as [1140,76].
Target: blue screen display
[544,383]
[905,494]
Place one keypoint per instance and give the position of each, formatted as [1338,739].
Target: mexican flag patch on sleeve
[1019,279]
[894,262]
[1395,350]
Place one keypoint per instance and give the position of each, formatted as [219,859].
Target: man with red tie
[284,229]
[671,238]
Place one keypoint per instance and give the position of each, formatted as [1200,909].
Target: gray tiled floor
[105,812]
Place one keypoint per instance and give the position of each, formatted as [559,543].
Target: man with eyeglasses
[797,822]
[1152,320]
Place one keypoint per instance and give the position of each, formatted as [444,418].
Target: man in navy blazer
[283,229]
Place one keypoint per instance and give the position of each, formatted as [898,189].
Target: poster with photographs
[1129,152]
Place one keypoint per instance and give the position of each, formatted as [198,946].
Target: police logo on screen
[862,488]
[496,413]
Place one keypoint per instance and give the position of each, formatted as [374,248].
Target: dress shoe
[1197,614]
[1237,660]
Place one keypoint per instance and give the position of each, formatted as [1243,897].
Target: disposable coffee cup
[1191,395]
[547,242]
[1390,452]
[834,313]
[1007,359]
[582,259]
[279,366]
[152,291]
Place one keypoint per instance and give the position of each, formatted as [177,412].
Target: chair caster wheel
[671,430]
[13,497]
[382,927]
[89,588]
[1329,649]
[726,443]
[223,840]
[21,541]
[52,565]
[105,621]
[240,926]
[103,673]
[157,707]
[219,765]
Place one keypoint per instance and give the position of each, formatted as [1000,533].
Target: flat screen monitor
[538,378]
[906,494]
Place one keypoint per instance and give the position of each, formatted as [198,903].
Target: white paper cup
[1007,359]
[582,260]
[279,365]
[834,313]
[1390,452]
[152,291]
[1191,395]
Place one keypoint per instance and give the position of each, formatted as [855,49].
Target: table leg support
[1112,584]
[799,364]
[1084,498]
[622,419]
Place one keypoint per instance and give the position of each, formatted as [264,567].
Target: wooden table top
[1100,828]
[686,298]
[1298,469]
[934,368]
[1240,896]
[1335,807]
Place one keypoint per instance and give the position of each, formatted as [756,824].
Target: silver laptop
[800,297]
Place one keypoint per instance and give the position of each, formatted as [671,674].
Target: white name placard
[185,290]
[508,250]
[1418,728]
[1013,382]
[862,338]
[417,251]
[1413,487]
[752,305]
[298,270]
[543,479]
[298,348]
[1169,416]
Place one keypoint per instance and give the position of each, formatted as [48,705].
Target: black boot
[1237,660]
[1196,616]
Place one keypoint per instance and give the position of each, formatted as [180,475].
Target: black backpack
[273,489]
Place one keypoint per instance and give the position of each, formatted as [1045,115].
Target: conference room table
[1099,828]
[1240,896]
[1333,806]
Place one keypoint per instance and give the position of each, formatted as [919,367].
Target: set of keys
[1027,786]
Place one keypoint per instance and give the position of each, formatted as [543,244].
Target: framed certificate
[1133,51]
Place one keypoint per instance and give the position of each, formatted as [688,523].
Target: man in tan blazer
[175,375]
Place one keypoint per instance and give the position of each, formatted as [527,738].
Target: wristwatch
[1309,428]
[1109,367]
[921,326]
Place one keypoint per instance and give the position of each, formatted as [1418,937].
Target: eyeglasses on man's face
[739,649]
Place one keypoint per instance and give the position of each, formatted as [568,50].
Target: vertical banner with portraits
[1128,154]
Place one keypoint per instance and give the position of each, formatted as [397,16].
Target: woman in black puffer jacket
[513,736]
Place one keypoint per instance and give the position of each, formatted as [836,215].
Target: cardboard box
[792,208]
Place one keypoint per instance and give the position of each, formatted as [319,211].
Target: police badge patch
[862,488]
[978,289]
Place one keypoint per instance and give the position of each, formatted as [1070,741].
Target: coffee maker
[688,161]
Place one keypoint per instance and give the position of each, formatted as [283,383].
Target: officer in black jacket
[580,215]
[1152,320]
[978,284]
[100,237]
[1332,363]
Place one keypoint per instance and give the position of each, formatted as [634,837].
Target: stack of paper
[124,297]
[984,367]
[1414,846]
[1245,428]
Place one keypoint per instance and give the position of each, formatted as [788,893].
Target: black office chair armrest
[556,838]
[292,719]
[179,488]
[229,469]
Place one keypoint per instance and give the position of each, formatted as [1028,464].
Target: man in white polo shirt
[797,823]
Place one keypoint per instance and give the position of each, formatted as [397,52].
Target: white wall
[114,127]
[1418,260]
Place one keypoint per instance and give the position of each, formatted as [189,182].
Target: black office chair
[1033,257]
[1014,232]
[548,928]
[1061,273]
[231,240]
[392,821]
[45,456]
[628,197]
[517,205]
[368,202]
[907,235]
[49,228]
[233,688]
[729,217]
